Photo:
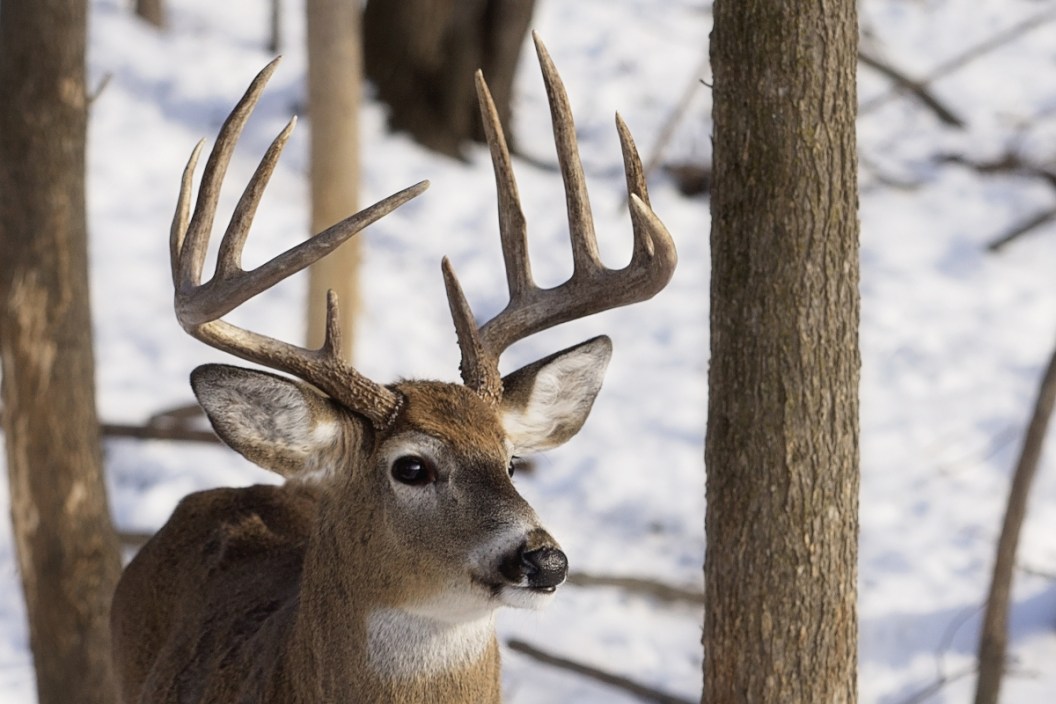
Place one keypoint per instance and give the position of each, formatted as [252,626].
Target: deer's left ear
[545,403]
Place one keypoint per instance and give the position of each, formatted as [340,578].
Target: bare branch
[1030,224]
[159,432]
[932,689]
[993,43]
[639,585]
[676,116]
[100,87]
[641,691]
[993,640]
[917,88]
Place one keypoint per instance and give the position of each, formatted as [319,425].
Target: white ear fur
[277,423]
[547,402]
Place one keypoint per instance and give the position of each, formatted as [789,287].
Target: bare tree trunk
[275,22]
[335,86]
[780,620]
[421,56]
[67,548]
[152,11]
[993,641]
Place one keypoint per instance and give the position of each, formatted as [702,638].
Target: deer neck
[350,639]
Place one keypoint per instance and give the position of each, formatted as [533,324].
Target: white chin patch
[524,598]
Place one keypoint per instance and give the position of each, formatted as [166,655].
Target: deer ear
[277,423]
[545,403]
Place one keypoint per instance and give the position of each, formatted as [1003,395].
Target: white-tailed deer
[373,573]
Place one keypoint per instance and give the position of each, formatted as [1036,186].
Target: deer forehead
[454,415]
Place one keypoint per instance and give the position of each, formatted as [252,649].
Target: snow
[954,339]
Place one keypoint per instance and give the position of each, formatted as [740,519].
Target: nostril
[544,567]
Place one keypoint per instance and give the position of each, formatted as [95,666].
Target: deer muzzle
[537,563]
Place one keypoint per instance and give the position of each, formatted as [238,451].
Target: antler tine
[580,221]
[654,256]
[592,287]
[479,368]
[636,186]
[199,306]
[196,240]
[229,258]
[183,211]
[513,231]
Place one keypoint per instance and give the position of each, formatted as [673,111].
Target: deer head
[418,534]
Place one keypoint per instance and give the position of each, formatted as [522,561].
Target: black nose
[544,567]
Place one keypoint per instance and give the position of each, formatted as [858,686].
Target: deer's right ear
[274,422]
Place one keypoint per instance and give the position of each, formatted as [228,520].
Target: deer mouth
[525,597]
[518,595]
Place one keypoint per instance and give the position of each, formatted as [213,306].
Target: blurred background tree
[335,88]
[67,549]
[421,55]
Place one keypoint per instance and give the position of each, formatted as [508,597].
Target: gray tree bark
[782,441]
[67,549]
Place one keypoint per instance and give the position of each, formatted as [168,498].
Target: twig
[998,442]
[932,689]
[668,130]
[100,87]
[909,85]
[658,590]
[981,49]
[941,678]
[1009,163]
[1032,223]
[867,165]
[1014,164]
[641,691]
[947,640]
[993,640]
[1035,572]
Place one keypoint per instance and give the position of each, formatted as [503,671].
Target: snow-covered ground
[953,338]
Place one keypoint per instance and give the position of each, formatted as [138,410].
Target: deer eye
[515,462]
[413,470]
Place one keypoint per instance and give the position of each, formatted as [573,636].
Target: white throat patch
[402,645]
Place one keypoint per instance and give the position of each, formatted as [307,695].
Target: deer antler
[593,287]
[199,306]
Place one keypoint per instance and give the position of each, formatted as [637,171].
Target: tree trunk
[421,56]
[335,86]
[152,11]
[67,549]
[993,637]
[782,441]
